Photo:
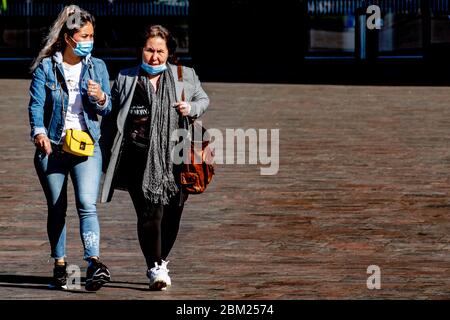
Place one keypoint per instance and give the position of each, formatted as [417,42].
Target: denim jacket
[47,87]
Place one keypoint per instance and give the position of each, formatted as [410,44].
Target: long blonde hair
[70,20]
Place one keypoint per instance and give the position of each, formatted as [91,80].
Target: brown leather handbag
[196,175]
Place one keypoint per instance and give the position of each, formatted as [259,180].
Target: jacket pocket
[53,90]
[51,85]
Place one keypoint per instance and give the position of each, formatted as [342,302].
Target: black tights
[157,226]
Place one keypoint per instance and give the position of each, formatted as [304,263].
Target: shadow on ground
[42,283]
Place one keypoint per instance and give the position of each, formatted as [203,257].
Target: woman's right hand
[42,142]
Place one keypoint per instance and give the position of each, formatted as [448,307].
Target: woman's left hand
[183,107]
[95,91]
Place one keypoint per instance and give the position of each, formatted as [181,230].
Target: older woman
[69,89]
[136,139]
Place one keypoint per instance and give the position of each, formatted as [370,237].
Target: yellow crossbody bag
[76,142]
[79,143]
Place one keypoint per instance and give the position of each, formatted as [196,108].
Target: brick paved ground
[363,180]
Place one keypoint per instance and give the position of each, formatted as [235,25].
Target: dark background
[252,41]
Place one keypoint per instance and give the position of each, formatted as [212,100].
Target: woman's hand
[42,142]
[183,108]
[95,91]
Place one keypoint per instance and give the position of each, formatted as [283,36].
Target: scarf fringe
[169,189]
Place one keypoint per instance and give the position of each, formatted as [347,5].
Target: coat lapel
[126,97]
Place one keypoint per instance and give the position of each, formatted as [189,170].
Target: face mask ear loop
[69,37]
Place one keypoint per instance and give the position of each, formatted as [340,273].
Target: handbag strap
[180,78]
[183,97]
[188,123]
[184,167]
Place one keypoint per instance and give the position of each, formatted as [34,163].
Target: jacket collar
[58,58]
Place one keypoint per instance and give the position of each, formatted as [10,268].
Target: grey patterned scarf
[158,182]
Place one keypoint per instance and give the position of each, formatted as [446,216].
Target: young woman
[69,89]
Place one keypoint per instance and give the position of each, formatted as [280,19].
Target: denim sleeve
[104,78]
[200,101]
[37,101]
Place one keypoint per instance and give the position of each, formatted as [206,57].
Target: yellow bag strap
[88,140]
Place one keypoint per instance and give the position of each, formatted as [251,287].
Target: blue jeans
[85,173]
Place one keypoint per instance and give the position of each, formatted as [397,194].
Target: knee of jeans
[87,205]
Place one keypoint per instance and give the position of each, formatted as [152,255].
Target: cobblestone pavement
[363,180]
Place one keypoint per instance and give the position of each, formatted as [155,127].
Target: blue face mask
[83,48]
[153,70]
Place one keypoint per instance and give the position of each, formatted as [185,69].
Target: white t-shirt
[74,114]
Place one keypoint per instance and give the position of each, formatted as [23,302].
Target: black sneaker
[59,280]
[97,275]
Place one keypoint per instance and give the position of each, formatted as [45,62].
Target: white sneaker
[159,276]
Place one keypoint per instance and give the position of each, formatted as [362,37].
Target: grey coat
[112,126]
